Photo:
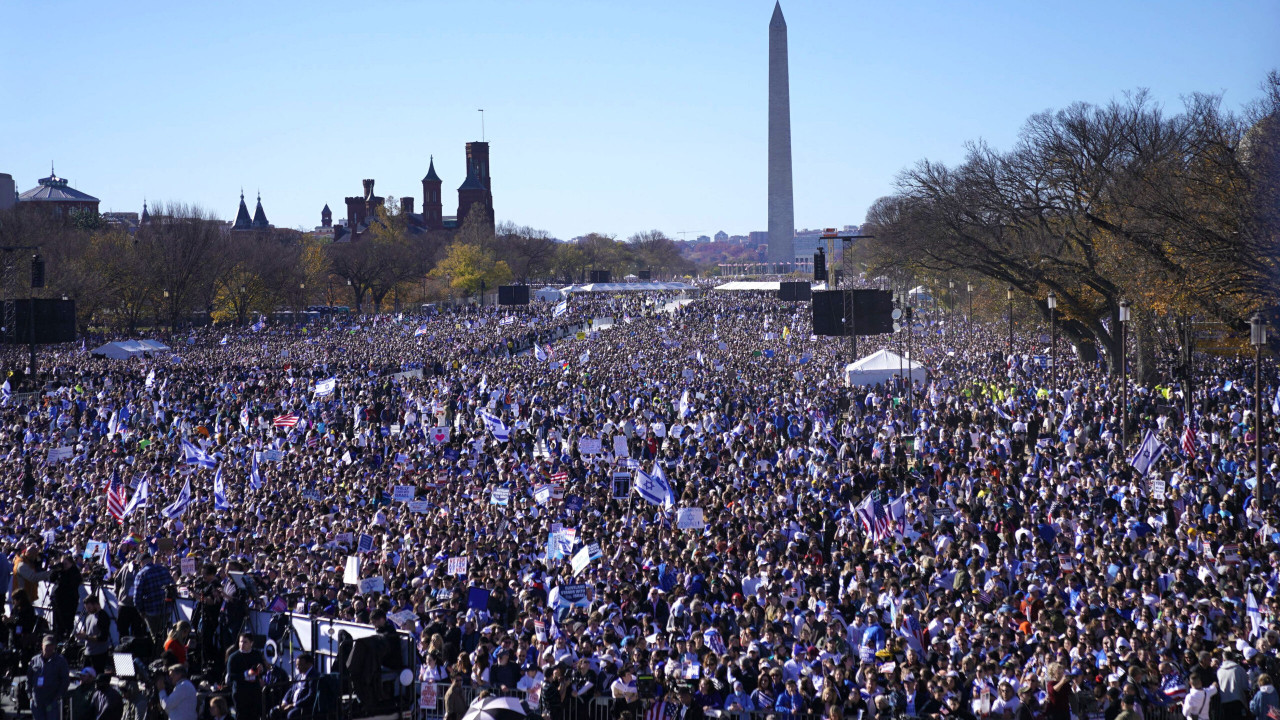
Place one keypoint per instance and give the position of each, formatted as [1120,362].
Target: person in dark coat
[245,669]
[66,596]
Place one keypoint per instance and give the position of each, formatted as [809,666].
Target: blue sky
[603,116]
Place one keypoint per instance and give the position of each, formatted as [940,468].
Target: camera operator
[150,590]
[208,595]
[66,578]
[177,694]
[93,628]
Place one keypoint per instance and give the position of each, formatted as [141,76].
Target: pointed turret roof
[242,216]
[777,20]
[431,172]
[146,216]
[326,209]
[472,182]
[260,217]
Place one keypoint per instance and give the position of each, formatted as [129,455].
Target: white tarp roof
[548,293]
[627,287]
[750,285]
[125,349]
[879,368]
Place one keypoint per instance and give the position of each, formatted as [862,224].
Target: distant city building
[756,238]
[258,223]
[55,196]
[737,239]
[8,192]
[722,236]
[703,239]
[476,189]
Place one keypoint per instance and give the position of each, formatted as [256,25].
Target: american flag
[116,500]
[1189,438]
[661,710]
[285,421]
[560,477]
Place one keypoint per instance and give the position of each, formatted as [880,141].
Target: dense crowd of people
[519,491]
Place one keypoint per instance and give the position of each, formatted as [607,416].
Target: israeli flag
[654,488]
[220,492]
[325,387]
[499,429]
[255,477]
[1255,616]
[562,307]
[151,377]
[540,354]
[1149,453]
[422,330]
[6,392]
[258,326]
[224,339]
[179,506]
[139,498]
[193,455]
[244,417]
[1275,403]
[684,404]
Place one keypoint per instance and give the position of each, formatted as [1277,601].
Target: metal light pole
[1258,338]
[951,296]
[1124,375]
[969,291]
[1053,337]
[1009,294]
[37,281]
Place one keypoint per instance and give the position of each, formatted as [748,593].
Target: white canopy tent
[920,293]
[880,367]
[548,294]
[125,349]
[625,287]
[740,285]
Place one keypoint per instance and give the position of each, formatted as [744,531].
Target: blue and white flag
[220,501]
[224,339]
[244,417]
[139,498]
[496,426]
[325,387]
[179,506]
[654,489]
[6,392]
[1149,453]
[193,455]
[422,330]
[540,353]
[561,308]
[1255,616]
[255,477]
[151,378]
[258,326]
[1275,402]
[684,404]
[507,320]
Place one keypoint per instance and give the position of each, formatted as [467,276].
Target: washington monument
[782,222]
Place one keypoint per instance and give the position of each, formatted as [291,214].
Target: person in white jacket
[1195,706]
[180,702]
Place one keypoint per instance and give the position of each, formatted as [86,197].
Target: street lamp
[1258,338]
[1008,293]
[1124,375]
[968,287]
[1053,336]
[951,294]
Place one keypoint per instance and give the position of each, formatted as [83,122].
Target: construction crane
[683,233]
